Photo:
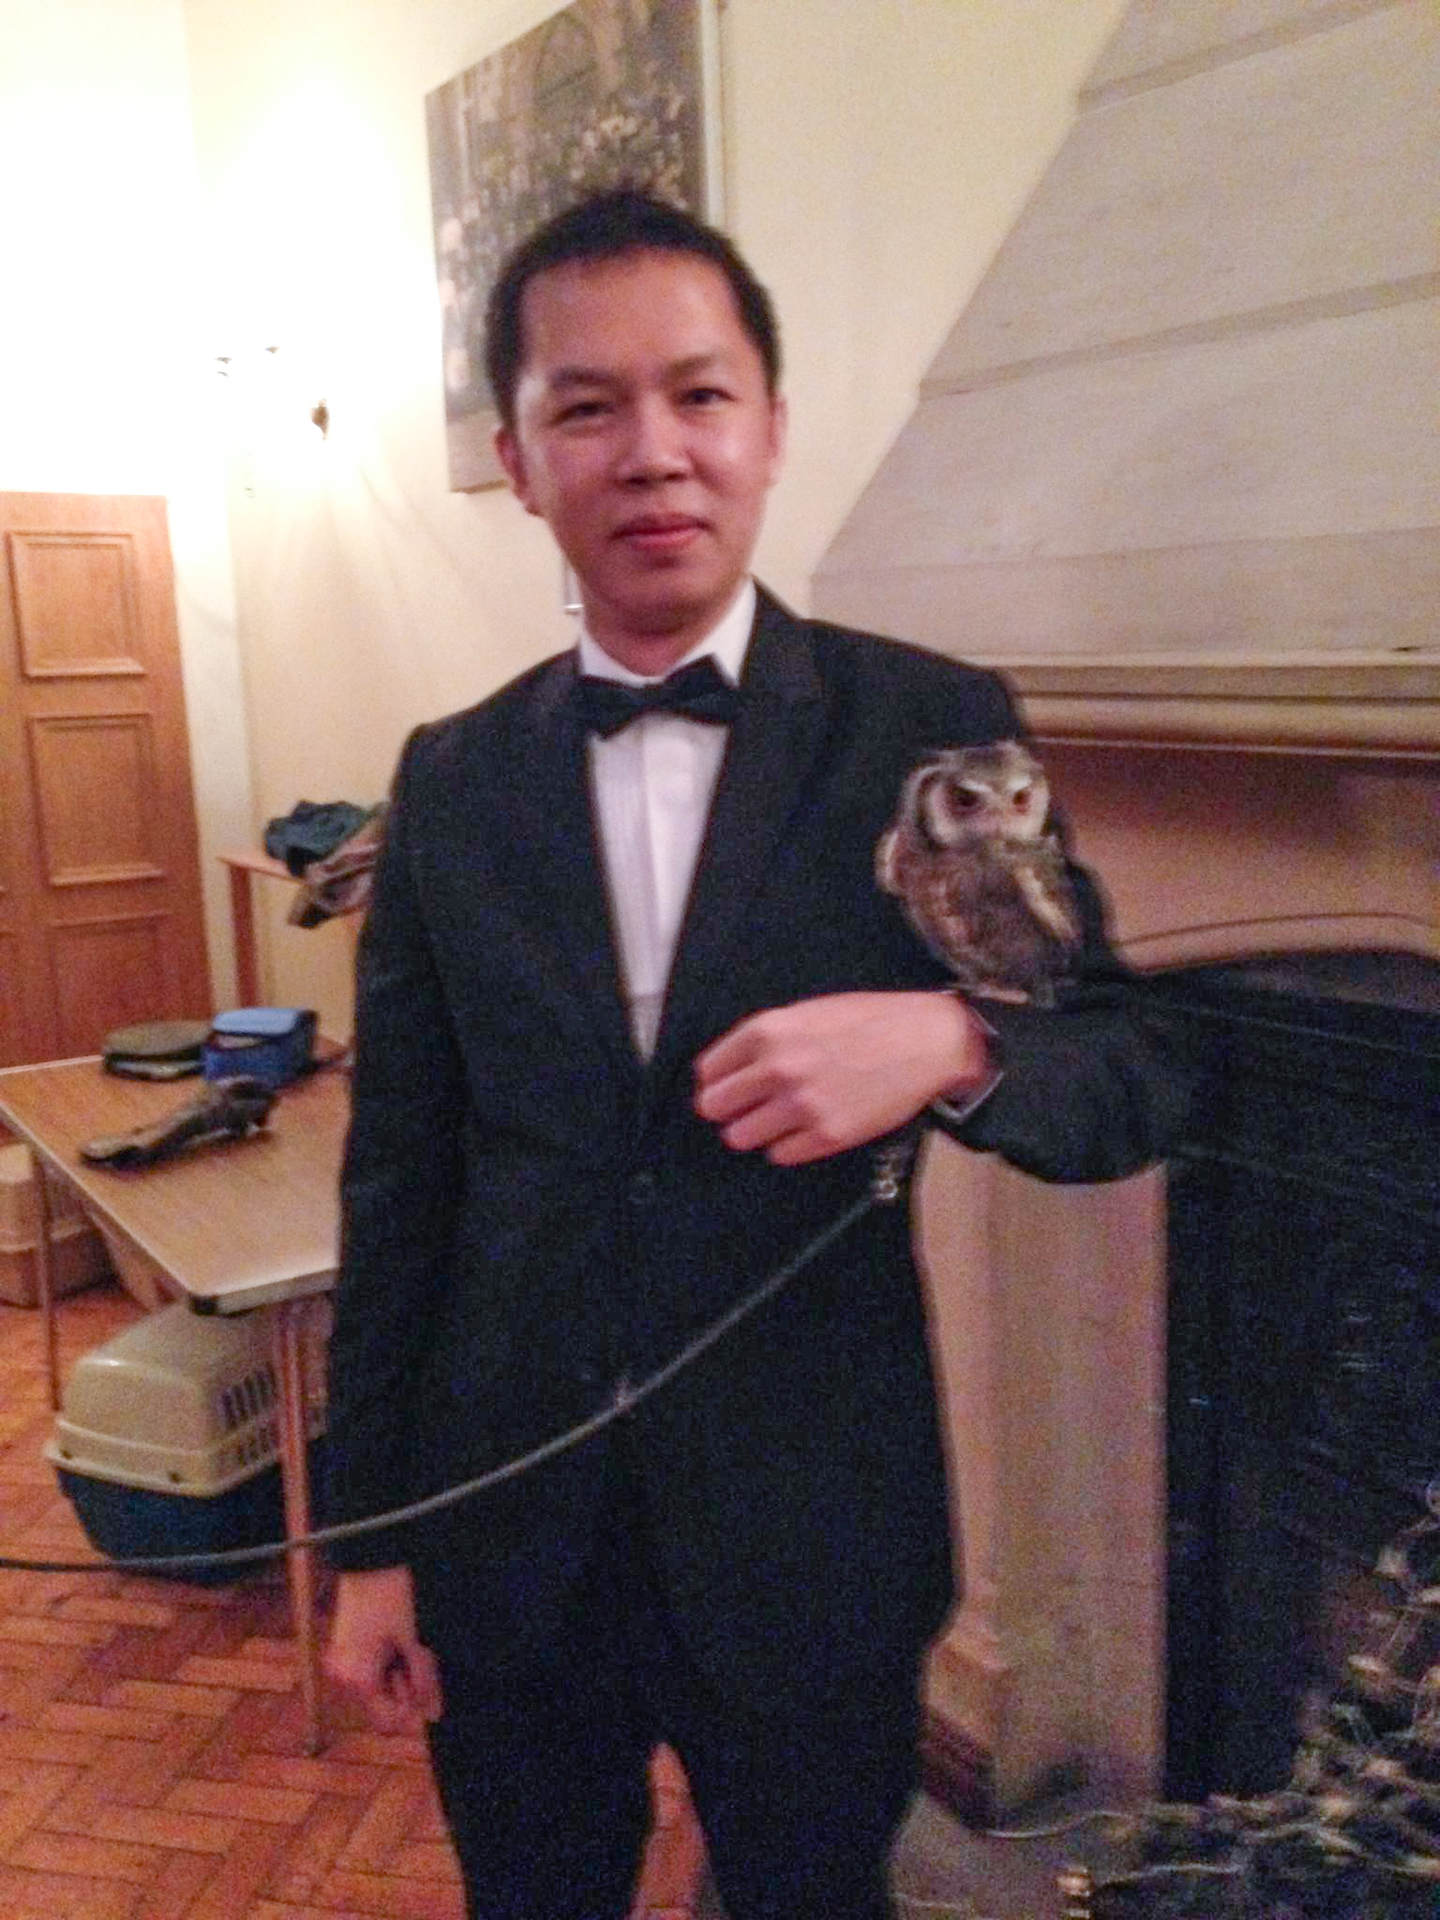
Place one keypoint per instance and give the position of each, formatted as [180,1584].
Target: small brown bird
[979,878]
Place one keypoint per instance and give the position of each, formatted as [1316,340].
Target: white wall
[879,152]
[876,152]
[106,385]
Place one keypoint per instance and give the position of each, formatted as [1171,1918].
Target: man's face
[646,438]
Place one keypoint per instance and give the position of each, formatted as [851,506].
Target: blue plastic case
[269,1044]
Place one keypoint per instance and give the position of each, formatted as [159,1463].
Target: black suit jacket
[532,1214]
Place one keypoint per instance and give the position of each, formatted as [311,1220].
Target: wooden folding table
[231,1227]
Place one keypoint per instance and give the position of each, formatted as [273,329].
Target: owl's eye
[966,798]
[1020,799]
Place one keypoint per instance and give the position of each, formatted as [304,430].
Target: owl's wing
[943,897]
[1046,891]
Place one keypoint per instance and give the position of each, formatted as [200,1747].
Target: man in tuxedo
[632,1016]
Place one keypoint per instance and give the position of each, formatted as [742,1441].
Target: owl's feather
[979,878]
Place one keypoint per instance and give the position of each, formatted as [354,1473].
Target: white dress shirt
[653,783]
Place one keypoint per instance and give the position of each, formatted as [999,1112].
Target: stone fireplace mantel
[1175,469]
[1174,473]
[1049,1304]
[1048,1332]
[1369,707]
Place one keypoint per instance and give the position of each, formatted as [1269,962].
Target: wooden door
[100,908]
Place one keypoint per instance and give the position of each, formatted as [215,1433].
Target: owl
[978,877]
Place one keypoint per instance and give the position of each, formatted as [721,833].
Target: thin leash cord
[913,1903]
[965,1908]
[885,1188]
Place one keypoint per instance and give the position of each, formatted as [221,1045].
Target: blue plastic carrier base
[120,1521]
[269,1044]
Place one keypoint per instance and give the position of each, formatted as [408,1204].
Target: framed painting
[604,92]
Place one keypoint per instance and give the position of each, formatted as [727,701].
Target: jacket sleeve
[1093,1088]
[399,1188]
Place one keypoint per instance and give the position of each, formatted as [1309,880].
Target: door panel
[12,1012]
[77,604]
[73,761]
[103,973]
[100,908]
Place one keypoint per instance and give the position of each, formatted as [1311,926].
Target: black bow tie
[699,692]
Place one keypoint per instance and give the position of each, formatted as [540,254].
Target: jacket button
[644,1190]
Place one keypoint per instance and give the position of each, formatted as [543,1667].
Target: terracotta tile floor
[150,1731]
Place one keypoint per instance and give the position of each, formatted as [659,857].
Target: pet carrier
[167,1440]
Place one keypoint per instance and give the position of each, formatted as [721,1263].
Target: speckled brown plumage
[979,877]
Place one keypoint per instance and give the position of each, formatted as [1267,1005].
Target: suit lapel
[768,766]
[568,868]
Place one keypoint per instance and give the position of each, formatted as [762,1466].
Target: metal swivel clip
[892,1165]
[1076,1887]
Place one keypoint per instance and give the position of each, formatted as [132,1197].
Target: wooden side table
[242,869]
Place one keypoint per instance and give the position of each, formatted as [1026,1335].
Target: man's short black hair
[603,227]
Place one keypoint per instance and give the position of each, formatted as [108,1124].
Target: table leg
[45,1285]
[290,1369]
[242,924]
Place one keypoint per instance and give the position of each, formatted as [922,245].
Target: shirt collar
[728,640]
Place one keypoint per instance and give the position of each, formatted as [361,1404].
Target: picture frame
[601,93]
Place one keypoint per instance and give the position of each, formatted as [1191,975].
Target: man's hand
[810,1080]
[373,1651]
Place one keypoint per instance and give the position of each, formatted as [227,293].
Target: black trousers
[542,1763]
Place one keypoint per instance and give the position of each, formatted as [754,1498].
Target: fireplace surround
[1099,1625]
[1174,473]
